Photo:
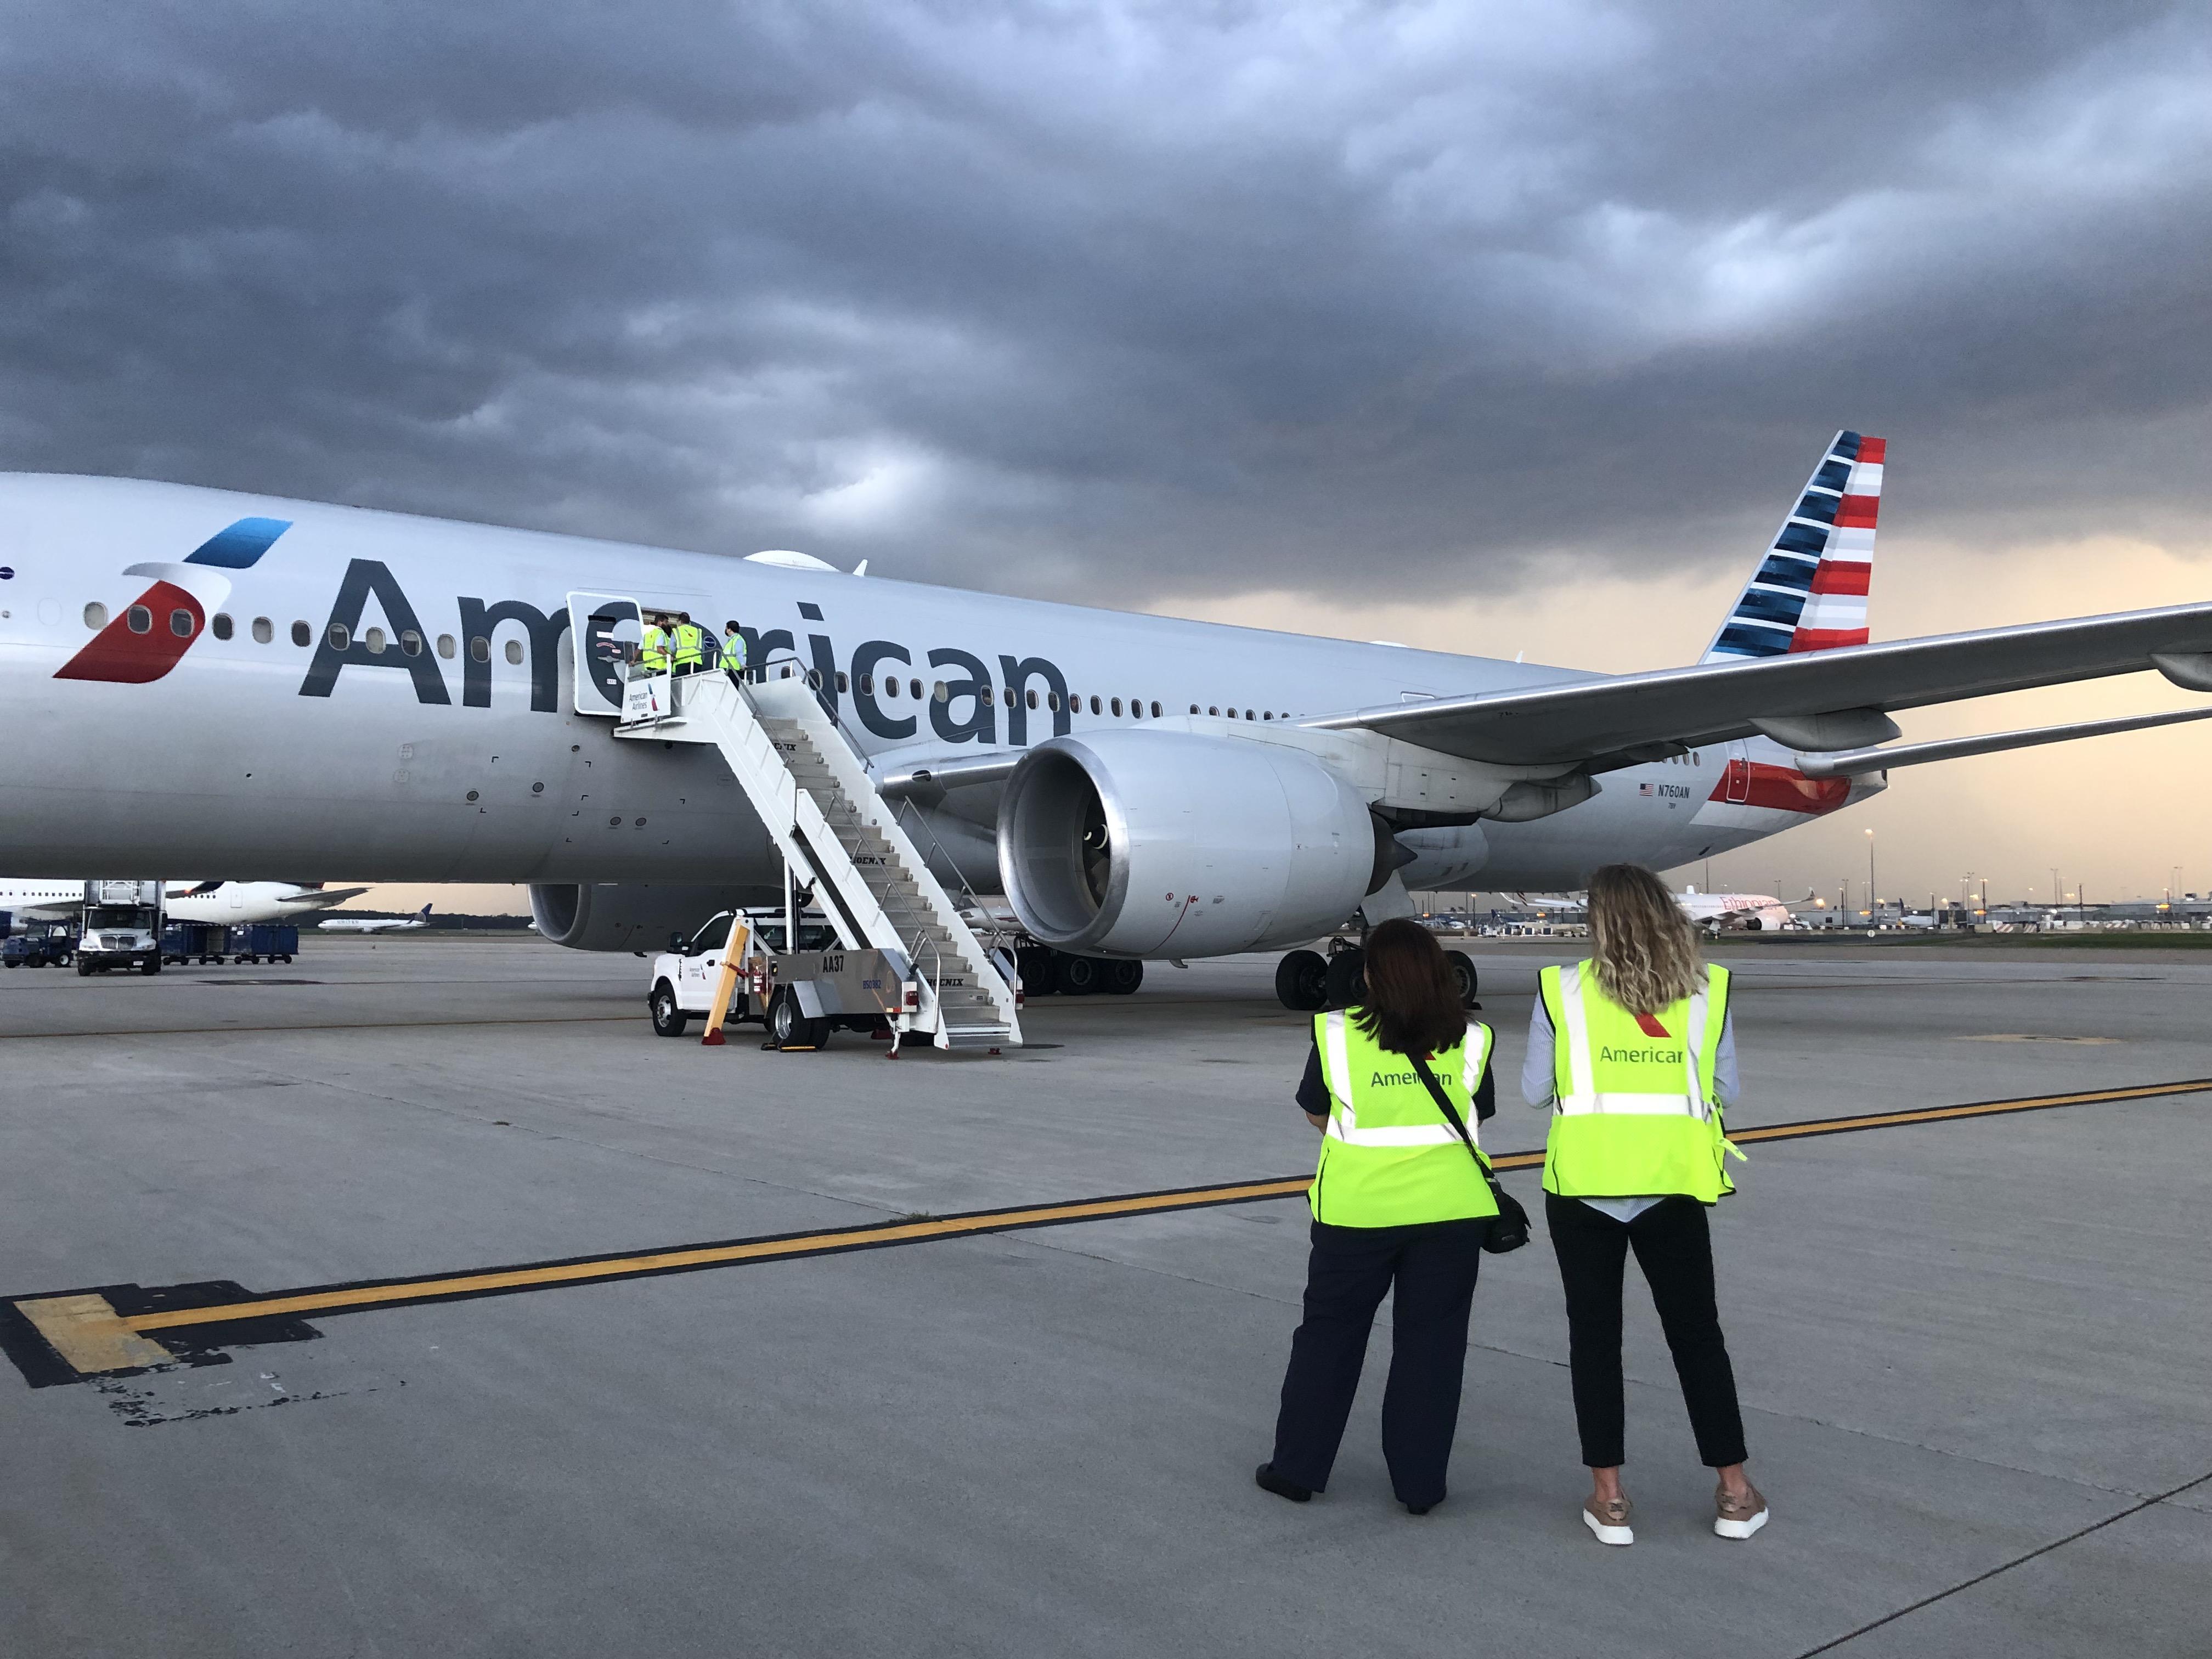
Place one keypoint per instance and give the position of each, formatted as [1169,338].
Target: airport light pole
[1874,902]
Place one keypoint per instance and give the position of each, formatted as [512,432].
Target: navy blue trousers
[1431,1268]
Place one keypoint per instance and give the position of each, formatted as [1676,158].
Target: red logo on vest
[1650,1025]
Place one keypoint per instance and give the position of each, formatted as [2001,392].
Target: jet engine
[628,915]
[1161,843]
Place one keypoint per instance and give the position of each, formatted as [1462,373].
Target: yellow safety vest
[1388,1158]
[654,651]
[1634,1110]
[734,652]
[690,646]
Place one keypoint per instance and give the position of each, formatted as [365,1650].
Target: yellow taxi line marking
[337,1298]
[88,1334]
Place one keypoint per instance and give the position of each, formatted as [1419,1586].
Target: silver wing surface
[1821,701]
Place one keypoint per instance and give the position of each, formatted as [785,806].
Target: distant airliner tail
[1809,592]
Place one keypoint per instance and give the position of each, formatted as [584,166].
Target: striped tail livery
[1809,593]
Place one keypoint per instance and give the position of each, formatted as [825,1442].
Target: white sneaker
[1737,1518]
[1608,1520]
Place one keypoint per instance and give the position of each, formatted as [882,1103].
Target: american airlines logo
[157,628]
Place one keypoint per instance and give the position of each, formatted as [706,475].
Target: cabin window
[1097,706]
[1051,701]
[1268,714]
[373,639]
[181,624]
[301,633]
[95,615]
[140,619]
[840,679]
[1117,705]
[514,652]
[1194,708]
[341,636]
[1009,696]
[479,649]
[1212,708]
[915,686]
[890,687]
[222,625]
[1032,698]
[939,692]
[410,643]
[1156,711]
[1248,713]
[446,647]
[263,630]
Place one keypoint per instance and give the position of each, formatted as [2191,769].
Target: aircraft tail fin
[1809,592]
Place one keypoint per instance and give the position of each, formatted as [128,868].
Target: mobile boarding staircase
[810,787]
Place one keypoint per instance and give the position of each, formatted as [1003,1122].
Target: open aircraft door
[605,630]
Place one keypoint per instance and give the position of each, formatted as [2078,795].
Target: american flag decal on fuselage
[1809,593]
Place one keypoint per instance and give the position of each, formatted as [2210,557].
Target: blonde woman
[1634,1053]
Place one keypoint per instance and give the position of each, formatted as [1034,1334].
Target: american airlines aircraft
[202,678]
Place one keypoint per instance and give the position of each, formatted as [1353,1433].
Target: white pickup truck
[800,997]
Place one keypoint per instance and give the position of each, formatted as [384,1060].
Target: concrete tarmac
[1973,1355]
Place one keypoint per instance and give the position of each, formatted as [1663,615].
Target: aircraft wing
[1811,701]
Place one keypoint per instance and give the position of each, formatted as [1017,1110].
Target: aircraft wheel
[1463,967]
[1348,977]
[1124,977]
[1078,975]
[1302,982]
[668,1019]
[1039,966]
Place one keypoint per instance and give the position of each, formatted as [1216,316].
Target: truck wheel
[1078,975]
[668,1019]
[1348,977]
[791,1027]
[1302,982]
[1463,967]
[1124,977]
[151,965]
[83,969]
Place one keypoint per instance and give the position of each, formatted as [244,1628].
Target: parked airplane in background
[377,925]
[237,903]
[230,902]
[299,688]
[1714,912]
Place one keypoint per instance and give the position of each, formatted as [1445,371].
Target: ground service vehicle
[122,927]
[800,997]
[42,944]
[264,941]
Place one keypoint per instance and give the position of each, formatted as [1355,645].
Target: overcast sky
[1165,306]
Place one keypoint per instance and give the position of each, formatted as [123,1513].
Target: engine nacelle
[627,916]
[1163,843]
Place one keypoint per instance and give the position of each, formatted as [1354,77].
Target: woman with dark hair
[1634,1052]
[1403,1200]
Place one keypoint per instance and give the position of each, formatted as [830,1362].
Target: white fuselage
[277,749]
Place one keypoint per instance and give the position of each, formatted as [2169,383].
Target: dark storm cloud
[1114,304]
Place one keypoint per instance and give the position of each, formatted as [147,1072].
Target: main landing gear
[1046,972]
[1306,982]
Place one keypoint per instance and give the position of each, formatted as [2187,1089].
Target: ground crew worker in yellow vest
[690,645]
[733,650]
[1634,1053]
[653,651]
[1402,1199]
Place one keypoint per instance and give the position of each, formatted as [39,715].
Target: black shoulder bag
[1510,1231]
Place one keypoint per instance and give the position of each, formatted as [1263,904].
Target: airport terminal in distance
[598,1287]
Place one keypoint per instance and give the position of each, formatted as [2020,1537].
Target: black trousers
[1674,1247]
[1432,1267]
